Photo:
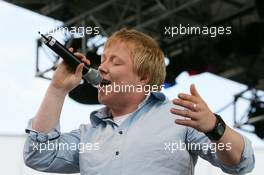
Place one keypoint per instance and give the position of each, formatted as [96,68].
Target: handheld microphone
[91,75]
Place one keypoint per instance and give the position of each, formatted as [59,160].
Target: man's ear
[145,79]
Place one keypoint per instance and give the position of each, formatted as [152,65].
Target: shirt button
[117,153]
[120,132]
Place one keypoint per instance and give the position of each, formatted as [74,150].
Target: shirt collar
[103,114]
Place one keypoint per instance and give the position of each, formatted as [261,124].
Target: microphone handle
[91,75]
[65,54]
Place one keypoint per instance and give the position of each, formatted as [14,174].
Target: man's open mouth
[105,82]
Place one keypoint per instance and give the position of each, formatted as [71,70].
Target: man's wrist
[59,92]
[219,129]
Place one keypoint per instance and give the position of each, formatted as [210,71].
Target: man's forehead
[118,46]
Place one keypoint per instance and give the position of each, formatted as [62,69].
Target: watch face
[220,128]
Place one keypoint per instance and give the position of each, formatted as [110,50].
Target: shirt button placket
[120,132]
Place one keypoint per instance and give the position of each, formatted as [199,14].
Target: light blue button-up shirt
[148,142]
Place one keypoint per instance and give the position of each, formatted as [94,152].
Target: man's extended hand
[198,114]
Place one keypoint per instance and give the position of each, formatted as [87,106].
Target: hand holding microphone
[64,76]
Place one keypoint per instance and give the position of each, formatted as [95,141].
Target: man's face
[117,69]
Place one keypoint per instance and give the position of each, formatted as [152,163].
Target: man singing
[139,131]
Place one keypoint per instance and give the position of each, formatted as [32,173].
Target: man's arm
[233,155]
[42,149]
[209,151]
[49,112]
[52,152]
[64,79]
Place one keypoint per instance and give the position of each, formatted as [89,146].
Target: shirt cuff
[40,136]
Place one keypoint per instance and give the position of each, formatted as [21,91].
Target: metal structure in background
[152,16]
[238,56]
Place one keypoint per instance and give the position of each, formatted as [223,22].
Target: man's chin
[104,98]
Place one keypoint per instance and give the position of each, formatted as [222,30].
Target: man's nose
[103,68]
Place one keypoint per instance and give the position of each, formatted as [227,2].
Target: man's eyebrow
[115,56]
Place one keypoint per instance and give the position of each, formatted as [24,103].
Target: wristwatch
[218,130]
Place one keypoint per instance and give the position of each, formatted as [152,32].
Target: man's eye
[116,63]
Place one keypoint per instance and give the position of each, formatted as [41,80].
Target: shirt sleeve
[202,146]
[53,151]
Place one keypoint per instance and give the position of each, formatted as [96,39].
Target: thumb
[79,69]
